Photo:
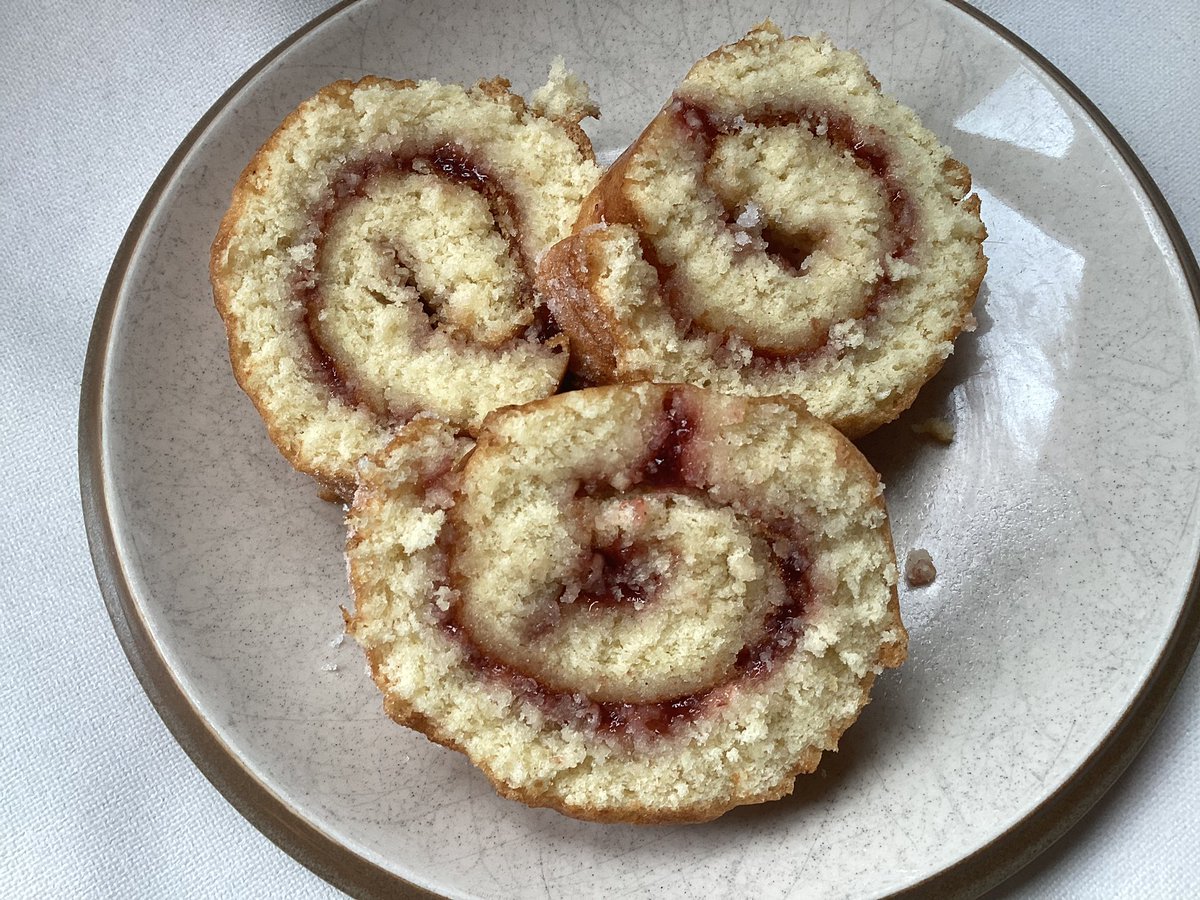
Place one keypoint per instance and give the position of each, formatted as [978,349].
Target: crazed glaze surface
[1062,519]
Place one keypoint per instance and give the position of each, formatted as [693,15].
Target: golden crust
[564,268]
[402,713]
[248,184]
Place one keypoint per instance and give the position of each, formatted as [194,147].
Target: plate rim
[986,867]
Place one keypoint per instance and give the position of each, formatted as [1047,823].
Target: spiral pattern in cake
[639,603]
[376,263]
[781,227]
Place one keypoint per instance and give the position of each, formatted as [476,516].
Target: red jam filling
[663,466]
[620,578]
[352,183]
[663,469]
[790,251]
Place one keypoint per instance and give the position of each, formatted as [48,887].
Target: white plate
[1062,518]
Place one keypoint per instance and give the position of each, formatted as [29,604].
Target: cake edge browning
[239,351]
[403,714]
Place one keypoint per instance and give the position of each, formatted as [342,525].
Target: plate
[1063,517]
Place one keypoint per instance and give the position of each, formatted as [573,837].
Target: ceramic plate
[1063,517]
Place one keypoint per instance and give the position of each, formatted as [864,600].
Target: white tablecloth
[96,799]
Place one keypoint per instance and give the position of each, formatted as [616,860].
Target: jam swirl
[667,467]
[352,183]
[702,128]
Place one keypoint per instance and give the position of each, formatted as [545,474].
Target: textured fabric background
[96,800]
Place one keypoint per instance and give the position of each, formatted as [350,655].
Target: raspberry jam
[862,144]
[352,183]
[620,582]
